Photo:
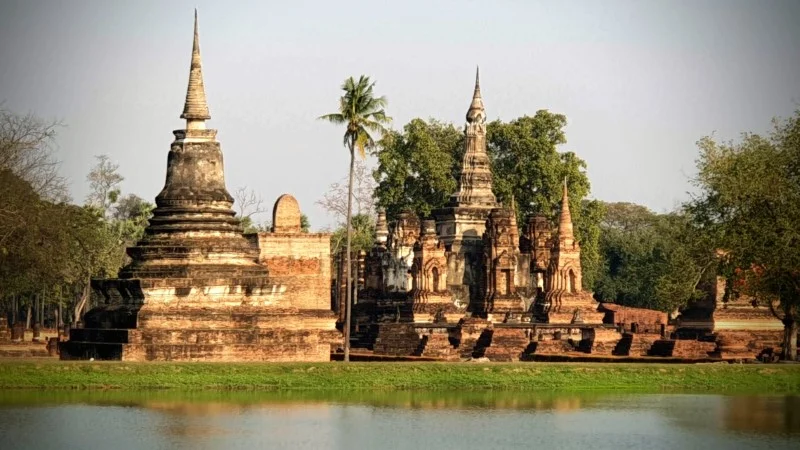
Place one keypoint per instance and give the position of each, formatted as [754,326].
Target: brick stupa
[197,288]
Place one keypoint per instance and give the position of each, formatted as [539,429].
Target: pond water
[395,420]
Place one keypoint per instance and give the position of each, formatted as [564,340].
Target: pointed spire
[195,109]
[565,221]
[476,112]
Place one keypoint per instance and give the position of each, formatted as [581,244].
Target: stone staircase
[678,348]
[506,344]
[397,339]
[633,344]
[437,344]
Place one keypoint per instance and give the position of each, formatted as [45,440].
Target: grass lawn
[54,374]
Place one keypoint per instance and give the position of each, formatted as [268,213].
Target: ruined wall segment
[299,263]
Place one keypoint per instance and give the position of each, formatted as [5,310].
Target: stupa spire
[475,182]
[565,221]
[195,110]
[476,112]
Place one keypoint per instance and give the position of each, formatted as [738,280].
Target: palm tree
[362,113]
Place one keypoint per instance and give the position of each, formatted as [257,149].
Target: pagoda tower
[569,303]
[462,222]
[194,237]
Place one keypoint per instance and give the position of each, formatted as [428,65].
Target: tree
[363,237]
[335,200]
[528,167]
[418,168]
[128,222]
[26,149]
[49,246]
[650,260]
[249,204]
[91,250]
[104,183]
[748,199]
[362,113]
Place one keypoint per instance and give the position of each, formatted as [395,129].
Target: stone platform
[197,333]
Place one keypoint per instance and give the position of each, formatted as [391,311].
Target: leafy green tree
[50,246]
[418,168]
[128,222]
[587,230]
[362,113]
[649,260]
[749,197]
[363,237]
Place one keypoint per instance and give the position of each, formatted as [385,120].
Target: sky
[639,81]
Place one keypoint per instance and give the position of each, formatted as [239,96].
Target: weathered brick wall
[300,264]
[398,339]
[647,320]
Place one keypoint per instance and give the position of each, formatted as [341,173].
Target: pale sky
[639,81]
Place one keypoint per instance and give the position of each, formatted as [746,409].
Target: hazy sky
[639,81]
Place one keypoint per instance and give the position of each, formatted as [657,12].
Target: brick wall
[301,264]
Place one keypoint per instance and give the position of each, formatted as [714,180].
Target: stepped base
[635,344]
[397,339]
[152,333]
[687,349]
[507,344]
[282,352]
[437,344]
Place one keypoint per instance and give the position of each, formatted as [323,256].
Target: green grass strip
[381,376]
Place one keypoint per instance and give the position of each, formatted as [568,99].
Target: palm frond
[361,112]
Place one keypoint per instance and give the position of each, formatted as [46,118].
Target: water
[395,420]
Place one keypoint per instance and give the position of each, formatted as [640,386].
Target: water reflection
[218,402]
[348,420]
[765,414]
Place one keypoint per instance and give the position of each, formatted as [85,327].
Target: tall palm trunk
[349,275]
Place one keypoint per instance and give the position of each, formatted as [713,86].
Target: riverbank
[53,374]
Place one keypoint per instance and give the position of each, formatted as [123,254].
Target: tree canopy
[649,260]
[749,199]
[50,249]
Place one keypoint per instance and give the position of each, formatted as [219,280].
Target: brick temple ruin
[468,282]
[197,288]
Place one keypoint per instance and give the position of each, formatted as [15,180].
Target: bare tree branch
[335,200]
[27,149]
[248,203]
[103,182]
